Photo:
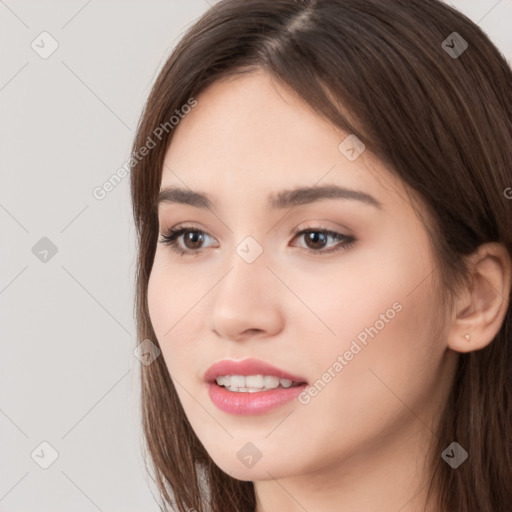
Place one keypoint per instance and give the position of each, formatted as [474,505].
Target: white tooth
[270,381]
[250,390]
[232,388]
[238,381]
[285,383]
[221,380]
[254,381]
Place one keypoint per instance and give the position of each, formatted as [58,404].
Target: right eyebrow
[184,196]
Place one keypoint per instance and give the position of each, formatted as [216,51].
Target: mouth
[251,402]
[251,386]
[250,374]
[254,383]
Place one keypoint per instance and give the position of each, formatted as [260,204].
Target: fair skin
[362,442]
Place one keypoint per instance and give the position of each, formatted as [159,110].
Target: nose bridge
[247,272]
[243,299]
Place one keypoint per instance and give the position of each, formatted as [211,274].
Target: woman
[321,191]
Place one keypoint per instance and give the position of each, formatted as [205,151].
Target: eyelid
[171,238]
[344,241]
[323,224]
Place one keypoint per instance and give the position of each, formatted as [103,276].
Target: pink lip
[247,367]
[259,402]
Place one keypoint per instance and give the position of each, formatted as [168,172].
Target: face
[347,304]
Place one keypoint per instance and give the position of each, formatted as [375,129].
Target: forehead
[251,135]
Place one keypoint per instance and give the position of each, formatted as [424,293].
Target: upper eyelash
[169,238]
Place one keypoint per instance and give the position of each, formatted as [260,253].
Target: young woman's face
[353,315]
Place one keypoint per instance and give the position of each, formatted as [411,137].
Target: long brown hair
[441,121]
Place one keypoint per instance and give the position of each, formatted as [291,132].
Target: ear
[481,306]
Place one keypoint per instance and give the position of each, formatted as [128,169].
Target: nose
[246,302]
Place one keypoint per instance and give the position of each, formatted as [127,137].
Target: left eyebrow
[283,199]
[300,196]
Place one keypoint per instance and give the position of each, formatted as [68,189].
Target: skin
[362,442]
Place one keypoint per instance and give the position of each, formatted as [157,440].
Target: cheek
[160,299]
[366,287]
[171,299]
[382,312]
[173,289]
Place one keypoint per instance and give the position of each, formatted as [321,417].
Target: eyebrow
[281,200]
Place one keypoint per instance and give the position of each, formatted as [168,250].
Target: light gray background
[68,375]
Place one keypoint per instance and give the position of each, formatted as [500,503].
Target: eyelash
[170,238]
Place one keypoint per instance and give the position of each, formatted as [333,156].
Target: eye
[316,239]
[193,239]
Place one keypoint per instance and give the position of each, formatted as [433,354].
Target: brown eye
[193,239]
[315,239]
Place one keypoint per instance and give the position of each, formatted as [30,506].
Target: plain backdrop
[68,374]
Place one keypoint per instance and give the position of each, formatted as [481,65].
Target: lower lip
[234,402]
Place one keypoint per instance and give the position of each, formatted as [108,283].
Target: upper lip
[247,367]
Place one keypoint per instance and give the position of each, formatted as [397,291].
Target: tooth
[238,381]
[270,381]
[221,380]
[254,381]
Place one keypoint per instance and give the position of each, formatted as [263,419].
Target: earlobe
[481,307]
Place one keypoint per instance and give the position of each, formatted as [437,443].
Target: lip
[260,402]
[247,367]
[242,403]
